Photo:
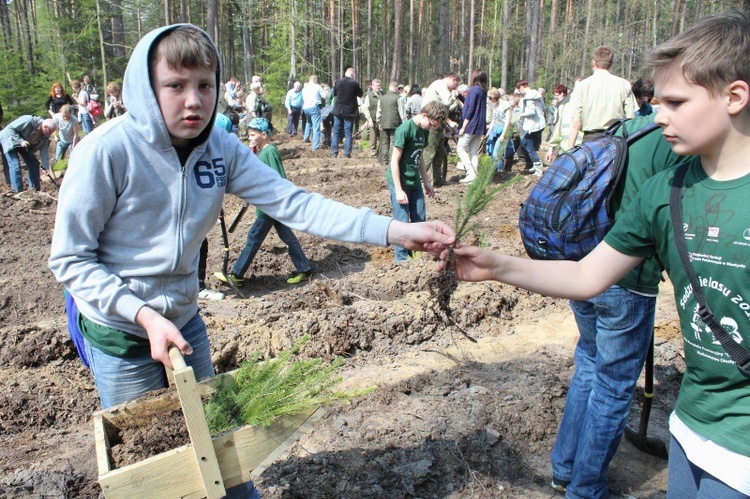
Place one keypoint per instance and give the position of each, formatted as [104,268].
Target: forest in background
[410,41]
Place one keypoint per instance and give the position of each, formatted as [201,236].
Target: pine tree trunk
[396,64]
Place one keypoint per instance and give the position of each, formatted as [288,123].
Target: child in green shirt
[702,80]
[407,170]
[258,133]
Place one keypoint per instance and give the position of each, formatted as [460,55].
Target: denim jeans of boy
[62,146]
[412,212]
[14,169]
[346,125]
[615,332]
[119,380]
[313,116]
[530,143]
[257,235]
[687,481]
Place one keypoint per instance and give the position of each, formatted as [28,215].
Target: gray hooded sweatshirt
[131,218]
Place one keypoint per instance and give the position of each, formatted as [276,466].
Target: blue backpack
[569,211]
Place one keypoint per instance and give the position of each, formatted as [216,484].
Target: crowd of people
[128,323]
[28,137]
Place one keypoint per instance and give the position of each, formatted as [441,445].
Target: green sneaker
[298,277]
[237,281]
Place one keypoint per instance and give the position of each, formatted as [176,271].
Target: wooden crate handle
[195,418]
[178,361]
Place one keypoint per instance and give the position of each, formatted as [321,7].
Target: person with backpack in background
[702,79]
[82,98]
[532,123]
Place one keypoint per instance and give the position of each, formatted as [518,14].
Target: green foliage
[476,198]
[260,392]
[60,164]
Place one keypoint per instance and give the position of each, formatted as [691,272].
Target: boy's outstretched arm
[419,236]
[582,280]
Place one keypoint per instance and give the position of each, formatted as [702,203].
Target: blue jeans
[313,114]
[119,380]
[14,168]
[257,235]
[61,148]
[348,125]
[87,123]
[687,481]
[412,212]
[531,142]
[615,333]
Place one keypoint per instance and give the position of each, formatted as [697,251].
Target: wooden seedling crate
[204,468]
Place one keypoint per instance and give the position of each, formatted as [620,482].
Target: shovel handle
[648,391]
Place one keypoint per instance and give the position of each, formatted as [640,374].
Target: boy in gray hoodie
[145,191]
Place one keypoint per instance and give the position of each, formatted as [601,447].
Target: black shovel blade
[643,443]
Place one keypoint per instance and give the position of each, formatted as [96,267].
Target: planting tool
[225,263]
[639,439]
[52,178]
[237,219]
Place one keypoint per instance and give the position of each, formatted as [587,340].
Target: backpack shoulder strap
[739,355]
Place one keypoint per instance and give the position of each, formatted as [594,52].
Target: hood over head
[138,95]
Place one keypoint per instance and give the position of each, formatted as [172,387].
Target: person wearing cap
[259,132]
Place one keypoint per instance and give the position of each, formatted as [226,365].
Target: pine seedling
[260,392]
[478,195]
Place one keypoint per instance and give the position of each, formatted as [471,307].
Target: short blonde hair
[712,53]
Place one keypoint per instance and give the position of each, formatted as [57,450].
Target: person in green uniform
[407,170]
[702,80]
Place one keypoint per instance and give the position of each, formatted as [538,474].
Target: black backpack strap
[739,355]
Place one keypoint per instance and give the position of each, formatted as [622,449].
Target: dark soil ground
[450,417]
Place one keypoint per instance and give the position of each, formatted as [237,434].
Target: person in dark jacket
[473,125]
[57,99]
[345,111]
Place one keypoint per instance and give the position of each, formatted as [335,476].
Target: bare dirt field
[450,418]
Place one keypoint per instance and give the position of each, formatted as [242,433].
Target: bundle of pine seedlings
[260,392]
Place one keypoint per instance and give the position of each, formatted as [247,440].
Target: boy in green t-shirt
[407,170]
[702,80]
[258,134]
